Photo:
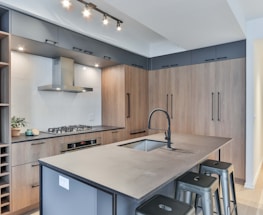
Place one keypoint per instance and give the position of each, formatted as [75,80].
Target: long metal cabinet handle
[212,106]
[39,143]
[218,106]
[129,105]
[171,106]
[167,102]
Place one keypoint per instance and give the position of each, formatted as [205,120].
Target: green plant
[18,122]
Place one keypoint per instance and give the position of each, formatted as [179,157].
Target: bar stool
[162,205]
[226,176]
[202,185]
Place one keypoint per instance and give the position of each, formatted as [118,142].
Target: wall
[50,109]
[254,103]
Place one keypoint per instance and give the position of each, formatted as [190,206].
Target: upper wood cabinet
[125,98]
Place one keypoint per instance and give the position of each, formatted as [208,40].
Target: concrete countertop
[136,173]
[45,135]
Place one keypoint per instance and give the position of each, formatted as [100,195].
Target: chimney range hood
[63,77]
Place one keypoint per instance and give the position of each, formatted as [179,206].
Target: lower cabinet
[25,170]
[113,136]
[25,185]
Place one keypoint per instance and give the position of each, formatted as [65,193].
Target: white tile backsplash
[49,109]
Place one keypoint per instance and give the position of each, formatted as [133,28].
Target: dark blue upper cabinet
[32,28]
[171,60]
[231,50]
[203,55]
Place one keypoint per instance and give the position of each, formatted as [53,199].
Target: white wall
[254,103]
[50,109]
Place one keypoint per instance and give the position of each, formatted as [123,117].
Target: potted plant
[16,124]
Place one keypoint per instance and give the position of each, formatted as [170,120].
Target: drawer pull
[35,165]
[137,132]
[39,143]
[114,132]
[35,185]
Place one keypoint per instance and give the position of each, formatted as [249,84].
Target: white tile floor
[250,202]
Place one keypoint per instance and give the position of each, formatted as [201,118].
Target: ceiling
[153,28]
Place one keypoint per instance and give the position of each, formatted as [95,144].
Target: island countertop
[132,172]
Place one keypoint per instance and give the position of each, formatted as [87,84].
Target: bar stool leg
[225,189]
[207,203]
[217,202]
[232,181]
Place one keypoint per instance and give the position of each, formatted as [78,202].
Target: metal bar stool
[226,174]
[202,185]
[162,205]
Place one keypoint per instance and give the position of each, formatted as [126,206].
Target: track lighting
[118,26]
[88,7]
[66,3]
[105,20]
[86,11]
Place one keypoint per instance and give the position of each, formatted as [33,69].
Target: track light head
[86,11]
[118,26]
[66,3]
[105,20]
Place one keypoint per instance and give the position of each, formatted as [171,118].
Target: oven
[83,144]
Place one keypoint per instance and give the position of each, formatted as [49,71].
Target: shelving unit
[5,136]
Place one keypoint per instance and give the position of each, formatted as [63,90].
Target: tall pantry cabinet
[5,135]
[125,99]
[218,101]
[205,99]
[170,90]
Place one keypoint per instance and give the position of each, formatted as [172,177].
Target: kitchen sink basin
[145,145]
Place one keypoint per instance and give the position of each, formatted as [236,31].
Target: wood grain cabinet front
[31,151]
[25,170]
[25,185]
[125,99]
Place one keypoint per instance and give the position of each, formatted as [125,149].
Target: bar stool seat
[162,205]
[202,185]
[226,173]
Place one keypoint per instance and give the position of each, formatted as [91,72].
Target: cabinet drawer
[25,185]
[31,151]
[113,136]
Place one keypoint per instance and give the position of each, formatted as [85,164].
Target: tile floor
[250,202]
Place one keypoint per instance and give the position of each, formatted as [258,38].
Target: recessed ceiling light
[20,48]
[96,65]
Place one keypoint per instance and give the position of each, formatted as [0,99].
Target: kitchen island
[114,179]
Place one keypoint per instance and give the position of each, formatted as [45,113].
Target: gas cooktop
[69,129]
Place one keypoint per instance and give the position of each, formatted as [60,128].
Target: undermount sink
[145,145]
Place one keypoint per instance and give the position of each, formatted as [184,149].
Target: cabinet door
[31,151]
[25,185]
[32,28]
[181,102]
[136,80]
[203,99]
[113,96]
[159,93]
[230,88]
[113,136]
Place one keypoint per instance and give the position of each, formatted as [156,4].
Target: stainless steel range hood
[63,77]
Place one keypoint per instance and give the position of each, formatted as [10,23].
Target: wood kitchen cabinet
[205,99]
[170,90]
[113,136]
[5,135]
[125,99]
[218,101]
[25,169]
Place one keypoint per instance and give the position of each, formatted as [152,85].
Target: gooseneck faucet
[168,132]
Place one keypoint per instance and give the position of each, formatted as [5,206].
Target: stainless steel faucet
[168,132]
